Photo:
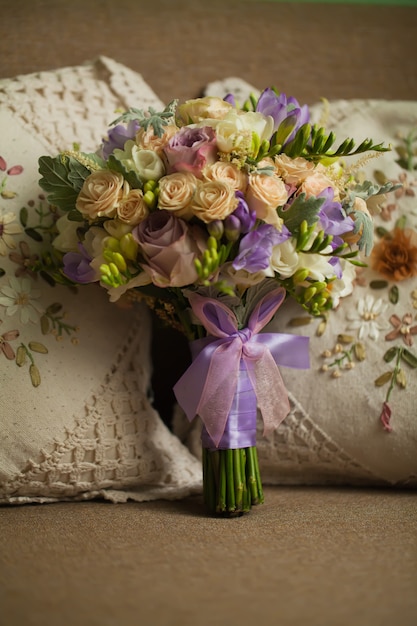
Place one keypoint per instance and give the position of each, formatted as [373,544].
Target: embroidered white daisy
[367,318]
[19,298]
[8,228]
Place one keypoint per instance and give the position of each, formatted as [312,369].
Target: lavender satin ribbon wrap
[208,386]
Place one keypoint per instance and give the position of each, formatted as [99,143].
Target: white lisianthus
[67,239]
[146,163]
[234,132]
[284,258]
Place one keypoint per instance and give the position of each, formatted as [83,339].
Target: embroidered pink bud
[385,417]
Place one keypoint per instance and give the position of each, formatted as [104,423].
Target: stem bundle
[231,480]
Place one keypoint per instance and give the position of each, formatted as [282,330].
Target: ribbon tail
[272,396]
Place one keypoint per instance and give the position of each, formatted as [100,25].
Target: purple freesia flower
[335,262]
[230,99]
[117,137]
[332,217]
[281,108]
[255,248]
[242,220]
[77,266]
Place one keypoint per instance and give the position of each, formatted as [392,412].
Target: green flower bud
[129,247]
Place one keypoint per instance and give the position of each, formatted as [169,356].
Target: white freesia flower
[318,266]
[366,319]
[146,163]
[19,297]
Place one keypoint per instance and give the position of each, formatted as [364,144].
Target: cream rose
[214,201]
[101,194]
[132,208]
[200,109]
[264,194]
[227,173]
[176,192]
[293,171]
[147,140]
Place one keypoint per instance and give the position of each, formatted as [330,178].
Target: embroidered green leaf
[359,351]
[394,294]
[381,231]
[346,339]
[2,272]
[38,347]
[35,376]
[54,308]
[33,234]
[23,216]
[45,325]
[401,379]
[302,209]
[401,222]
[299,321]
[21,356]
[378,284]
[409,358]
[390,354]
[383,379]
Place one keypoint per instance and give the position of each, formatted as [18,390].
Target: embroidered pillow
[76,420]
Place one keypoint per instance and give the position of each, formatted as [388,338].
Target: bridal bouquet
[214,213]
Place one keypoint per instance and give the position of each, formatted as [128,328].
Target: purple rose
[169,245]
[190,150]
[283,109]
[255,248]
[117,137]
[77,266]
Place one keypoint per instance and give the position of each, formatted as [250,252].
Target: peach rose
[264,195]
[132,208]
[315,183]
[293,171]
[227,173]
[147,140]
[176,192]
[214,201]
[101,194]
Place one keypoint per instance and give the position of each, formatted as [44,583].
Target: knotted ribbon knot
[208,386]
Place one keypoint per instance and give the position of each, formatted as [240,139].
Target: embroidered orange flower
[395,256]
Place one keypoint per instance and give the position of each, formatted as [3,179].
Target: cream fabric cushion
[76,419]
[333,434]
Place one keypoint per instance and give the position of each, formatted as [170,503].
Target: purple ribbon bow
[208,386]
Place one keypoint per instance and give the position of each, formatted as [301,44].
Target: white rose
[146,163]
[234,132]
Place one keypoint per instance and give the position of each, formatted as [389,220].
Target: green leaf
[394,294]
[296,147]
[378,284]
[132,178]
[33,234]
[23,216]
[409,358]
[301,209]
[390,354]
[55,181]
[152,118]
[75,216]
[77,174]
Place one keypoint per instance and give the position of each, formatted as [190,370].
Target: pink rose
[191,150]
[169,246]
